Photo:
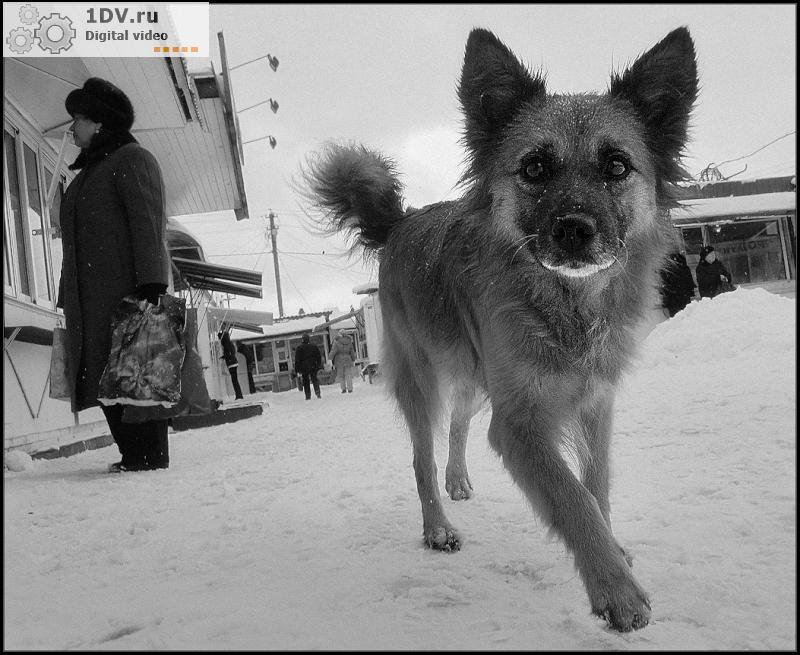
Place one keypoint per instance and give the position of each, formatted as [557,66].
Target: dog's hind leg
[417,393]
[530,453]
[465,406]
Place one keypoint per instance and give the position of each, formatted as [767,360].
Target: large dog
[528,289]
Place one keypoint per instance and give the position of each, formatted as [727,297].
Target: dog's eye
[616,168]
[534,170]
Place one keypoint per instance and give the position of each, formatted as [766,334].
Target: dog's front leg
[530,453]
[596,422]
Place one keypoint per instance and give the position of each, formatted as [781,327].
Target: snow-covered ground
[301,528]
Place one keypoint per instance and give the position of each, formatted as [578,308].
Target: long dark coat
[113,224]
[677,285]
[708,280]
[307,358]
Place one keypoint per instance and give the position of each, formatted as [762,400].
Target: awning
[241,319]
[333,321]
[225,279]
[189,133]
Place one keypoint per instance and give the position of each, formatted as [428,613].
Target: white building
[186,120]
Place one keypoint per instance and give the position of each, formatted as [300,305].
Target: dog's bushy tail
[357,191]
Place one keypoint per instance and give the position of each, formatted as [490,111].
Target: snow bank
[742,325]
[17,460]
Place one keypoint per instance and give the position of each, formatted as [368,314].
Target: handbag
[194,393]
[60,383]
[147,353]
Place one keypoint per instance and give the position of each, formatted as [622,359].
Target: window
[36,224]
[264,360]
[56,250]
[18,259]
[27,249]
[750,250]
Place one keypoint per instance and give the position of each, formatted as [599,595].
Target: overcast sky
[385,76]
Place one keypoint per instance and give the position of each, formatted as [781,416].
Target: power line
[759,149]
[348,269]
[300,293]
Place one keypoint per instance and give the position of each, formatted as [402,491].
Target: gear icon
[20,40]
[52,22]
[28,14]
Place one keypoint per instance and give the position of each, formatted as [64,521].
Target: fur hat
[704,252]
[101,102]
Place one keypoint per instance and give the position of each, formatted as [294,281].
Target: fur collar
[103,144]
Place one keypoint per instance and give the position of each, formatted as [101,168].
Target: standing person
[114,244]
[677,289]
[307,361]
[343,356]
[712,277]
[229,355]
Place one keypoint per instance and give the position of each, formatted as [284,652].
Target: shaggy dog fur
[528,289]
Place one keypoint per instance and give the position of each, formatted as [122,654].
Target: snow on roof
[762,203]
[293,326]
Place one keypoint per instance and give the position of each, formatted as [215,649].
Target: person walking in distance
[343,356]
[307,361]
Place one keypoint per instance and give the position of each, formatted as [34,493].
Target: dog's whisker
[523,242]
[622,264]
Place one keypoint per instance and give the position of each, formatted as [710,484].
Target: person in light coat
[343,356]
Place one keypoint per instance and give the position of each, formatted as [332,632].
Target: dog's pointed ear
[494,84]
[662,86]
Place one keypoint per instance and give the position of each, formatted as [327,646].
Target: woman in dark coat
[114,243]
[677,285]
[712,277]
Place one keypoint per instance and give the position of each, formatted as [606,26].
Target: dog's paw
[442,538]
[625,606]
[458,487]
[627,619]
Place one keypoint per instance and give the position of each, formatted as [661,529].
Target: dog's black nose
[573,232]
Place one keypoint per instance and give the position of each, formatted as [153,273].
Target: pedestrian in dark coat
[677,289]
[229,355]
[712,277]
[307,361]
[113,225]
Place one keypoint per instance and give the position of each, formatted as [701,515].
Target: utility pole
[273,233]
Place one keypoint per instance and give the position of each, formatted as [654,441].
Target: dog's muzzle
[575,249]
